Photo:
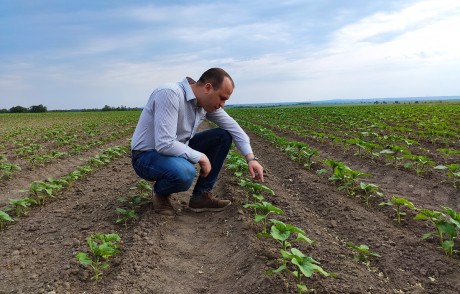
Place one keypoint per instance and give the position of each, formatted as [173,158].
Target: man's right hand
[205,165]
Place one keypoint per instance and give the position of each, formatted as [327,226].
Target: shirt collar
[185,84]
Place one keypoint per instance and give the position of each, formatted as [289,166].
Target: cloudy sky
[68,54]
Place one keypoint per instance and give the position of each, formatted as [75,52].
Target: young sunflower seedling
[125,216]
[256,190]
[399,202]
[453,172]
[134,201]
[21,206]
[282,233]
[7,169]
[102,248]
[5,218]
[41,190]
[443,227]
[362,252]
[144,187]
[236,163]
[84,170]
[393,153]
[419,163]
[262,210]
[370,190]
[301,266]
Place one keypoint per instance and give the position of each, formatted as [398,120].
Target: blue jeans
[176,174]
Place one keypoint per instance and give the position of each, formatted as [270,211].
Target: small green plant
[369,190]
[134,201]
[419,163]
[98,160]
[346,177]
[144,187]
[447,152]
[282,232]
[7,169]
[102,247]
[73,176]
[300,266]
[84,170]
[362,252]
[453,172]
[236,163]
[256,190]
[21,206]
[4,219]
[443,227]
[41,190]
[399,202]
[393,153]
[262,210]
[125,216]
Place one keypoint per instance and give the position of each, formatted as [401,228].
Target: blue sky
[87,54]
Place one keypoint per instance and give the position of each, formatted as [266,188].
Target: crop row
[42,191]
[394,149]
[446,224]
[437,124]
[56,135]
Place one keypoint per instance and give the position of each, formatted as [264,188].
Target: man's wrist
[251,159]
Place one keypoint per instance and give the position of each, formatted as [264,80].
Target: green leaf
[421,216]
[308,266]
[279,235]
[302,237]
[279,269]
[447,228]
[302,288]
[426,236]
[259,217]
[5,216]
[441,167]
[83,258]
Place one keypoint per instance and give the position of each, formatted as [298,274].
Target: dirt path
[219,252]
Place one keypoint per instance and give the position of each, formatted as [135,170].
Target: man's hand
[205,165]
[256,170]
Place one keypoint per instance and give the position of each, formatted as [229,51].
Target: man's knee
[185,176]
[225,136]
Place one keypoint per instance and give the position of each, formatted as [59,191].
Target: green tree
[38,108]
[18,109]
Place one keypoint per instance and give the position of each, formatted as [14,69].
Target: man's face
[215,99]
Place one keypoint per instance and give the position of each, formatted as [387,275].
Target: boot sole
[209,208]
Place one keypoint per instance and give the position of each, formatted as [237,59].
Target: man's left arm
[241,139]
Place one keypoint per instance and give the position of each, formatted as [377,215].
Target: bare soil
[219,252]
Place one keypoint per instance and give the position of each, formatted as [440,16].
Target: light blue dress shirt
[171,118]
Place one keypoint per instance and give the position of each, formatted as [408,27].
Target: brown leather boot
[162,205]
[207,203]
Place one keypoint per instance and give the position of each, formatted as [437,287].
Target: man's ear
[207,87]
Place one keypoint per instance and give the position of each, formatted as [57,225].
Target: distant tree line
[21,109]
[41,108]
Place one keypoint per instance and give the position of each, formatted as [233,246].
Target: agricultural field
[357,199]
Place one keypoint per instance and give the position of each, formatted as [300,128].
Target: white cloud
[119,55]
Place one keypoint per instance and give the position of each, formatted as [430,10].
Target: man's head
[215,76]
[213,89]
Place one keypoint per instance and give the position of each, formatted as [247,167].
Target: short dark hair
[215,76]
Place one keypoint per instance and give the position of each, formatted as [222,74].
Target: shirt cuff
[193,155]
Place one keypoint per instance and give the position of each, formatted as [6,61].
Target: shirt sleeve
[166,113]
[226,122]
